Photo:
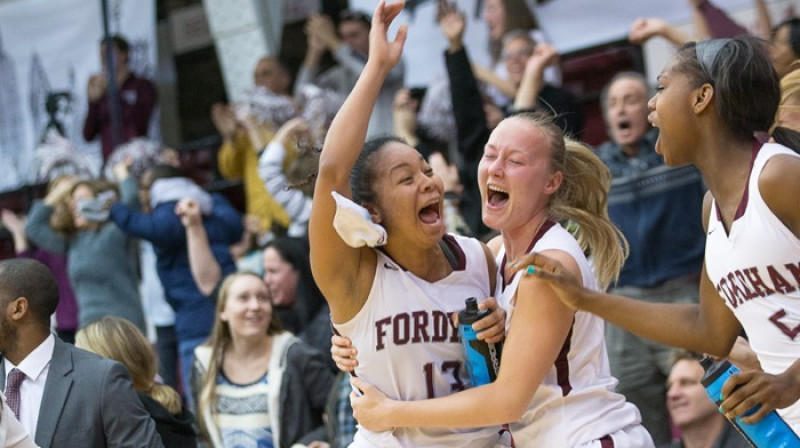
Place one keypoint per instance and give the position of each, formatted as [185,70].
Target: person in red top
[137,99]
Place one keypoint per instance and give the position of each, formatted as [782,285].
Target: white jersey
[576,403]
[408,347]
[756,270]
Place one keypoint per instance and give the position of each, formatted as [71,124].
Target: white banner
[49,49]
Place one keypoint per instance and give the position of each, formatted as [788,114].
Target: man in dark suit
[65,397]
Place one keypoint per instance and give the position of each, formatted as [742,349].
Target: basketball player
[554,381]
[394,301]
[711,98]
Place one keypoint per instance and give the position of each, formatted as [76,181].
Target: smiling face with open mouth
[514,174]
[626,111]
[409,196]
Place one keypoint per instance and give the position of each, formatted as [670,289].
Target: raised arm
[343,273]
[643,30]
[532,83]
[16,226]
[714,21]
[38,227]
[270,169]
[157,227]
[764,19]
[203,265]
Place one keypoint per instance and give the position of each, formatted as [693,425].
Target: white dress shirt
[12,434]
[35,366]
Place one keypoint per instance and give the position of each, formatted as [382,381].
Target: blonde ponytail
[583,199]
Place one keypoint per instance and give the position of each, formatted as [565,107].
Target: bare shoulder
[568,263]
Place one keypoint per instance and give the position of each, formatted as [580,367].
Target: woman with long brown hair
[253,380]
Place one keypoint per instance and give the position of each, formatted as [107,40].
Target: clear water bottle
[482,358]
[769,432]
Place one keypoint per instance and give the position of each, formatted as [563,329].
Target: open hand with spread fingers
[383,52]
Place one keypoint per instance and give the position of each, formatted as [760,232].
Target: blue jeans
[186,352]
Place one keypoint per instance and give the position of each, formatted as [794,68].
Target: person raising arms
[711,98]
[394,301]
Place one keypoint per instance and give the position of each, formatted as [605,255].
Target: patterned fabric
[15,378]
[142,153]
[318,106]
[436,111]
[345,422]
[267,106]
[242,413]
[57,156]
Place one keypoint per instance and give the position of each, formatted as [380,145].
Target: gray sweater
[101,265]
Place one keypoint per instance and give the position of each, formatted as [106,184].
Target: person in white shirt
[12,434]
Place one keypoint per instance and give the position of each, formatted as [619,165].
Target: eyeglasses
[706,53]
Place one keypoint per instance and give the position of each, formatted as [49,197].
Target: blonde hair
[583,199]
[118,339]
[220,340]
[61,220]
[790,86]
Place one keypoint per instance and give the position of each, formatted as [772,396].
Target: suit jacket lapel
[56,389]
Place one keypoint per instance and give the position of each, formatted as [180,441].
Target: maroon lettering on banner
[757,282]
[776,319]
[778,282]
[420,327]
[401,326]
[440,326]
[748,294]
[380,332]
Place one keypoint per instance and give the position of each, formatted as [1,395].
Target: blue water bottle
[769,432]
[482,358]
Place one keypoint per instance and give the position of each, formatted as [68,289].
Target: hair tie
[706,52]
